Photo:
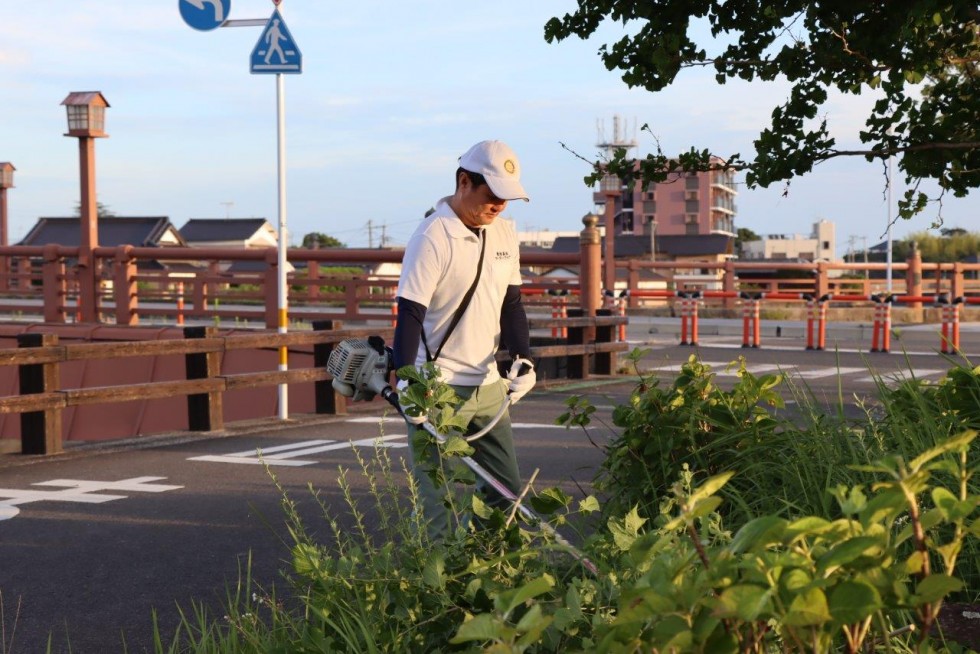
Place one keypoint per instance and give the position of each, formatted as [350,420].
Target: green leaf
[481,628]
[433,575]
[710,487]
[744,601]
[936,587]
[550,500]
[456,446]
[809,526]
[758,533]
[480,508]
[853,601]
[808,609]
[846,552]
[625,531]
[508,601]
[589,505]
[954,444]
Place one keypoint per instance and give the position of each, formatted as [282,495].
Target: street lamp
[86,122]
[6,181]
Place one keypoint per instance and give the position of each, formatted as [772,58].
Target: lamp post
[86,122]
[611,188]
[6,181]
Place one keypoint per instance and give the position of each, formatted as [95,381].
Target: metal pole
[283,240]
[888,250]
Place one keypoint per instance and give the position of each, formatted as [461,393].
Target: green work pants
[494,451]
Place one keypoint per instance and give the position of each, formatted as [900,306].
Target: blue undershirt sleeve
[514,332]
[408,332]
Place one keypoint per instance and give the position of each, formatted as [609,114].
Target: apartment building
[819,245]
[691,204]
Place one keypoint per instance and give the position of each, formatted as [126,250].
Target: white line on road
[77,490]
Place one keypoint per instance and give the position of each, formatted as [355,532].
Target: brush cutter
[360,370]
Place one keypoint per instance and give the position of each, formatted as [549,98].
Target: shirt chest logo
[502,255]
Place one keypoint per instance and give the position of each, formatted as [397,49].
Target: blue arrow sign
[276,51]
[204,15]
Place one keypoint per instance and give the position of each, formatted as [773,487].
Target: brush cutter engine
[360,368]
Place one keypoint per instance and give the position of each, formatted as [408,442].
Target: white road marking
[79,491]
[284,455]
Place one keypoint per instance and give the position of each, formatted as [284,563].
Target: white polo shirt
[438,268]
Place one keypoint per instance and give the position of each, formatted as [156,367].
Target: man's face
[476,206]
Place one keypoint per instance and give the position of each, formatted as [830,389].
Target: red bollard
[811,310]
[951,328]
[694,320]
[750,323]
[622,312]
[882,325]
[822,325]
[683,308]
[745,324]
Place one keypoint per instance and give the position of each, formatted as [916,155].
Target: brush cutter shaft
[392,397]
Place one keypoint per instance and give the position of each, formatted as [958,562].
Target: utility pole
[384,234]
[370,235]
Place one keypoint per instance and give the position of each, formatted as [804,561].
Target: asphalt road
[94,541]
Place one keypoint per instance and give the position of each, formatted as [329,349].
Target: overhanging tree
[920,59]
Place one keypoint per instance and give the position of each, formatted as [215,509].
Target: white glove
[520,384]
[412,413]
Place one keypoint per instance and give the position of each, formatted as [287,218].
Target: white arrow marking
[219,9]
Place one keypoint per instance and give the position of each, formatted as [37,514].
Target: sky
[390,95]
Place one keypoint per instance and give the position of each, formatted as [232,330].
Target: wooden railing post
[313,280]
[913,275]
[54,285]
[199,298]
[605,362]
[590,273]
[326,399]
[40,431]
[205,411]
[271,288]
[124,289]
[957,282]
[822,282]
[728,284]
[578,364]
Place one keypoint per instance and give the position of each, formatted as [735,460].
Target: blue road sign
[204,15]
[276,51]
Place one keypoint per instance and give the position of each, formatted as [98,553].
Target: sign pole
[283,241]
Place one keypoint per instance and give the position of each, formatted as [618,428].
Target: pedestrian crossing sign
[276,51]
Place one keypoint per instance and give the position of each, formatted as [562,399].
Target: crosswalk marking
[903,375]
[79,491]
[397,419]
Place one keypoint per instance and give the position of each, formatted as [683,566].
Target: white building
[818,246]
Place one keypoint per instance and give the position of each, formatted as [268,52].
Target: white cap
[499,165]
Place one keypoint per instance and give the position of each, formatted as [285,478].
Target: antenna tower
[623,136]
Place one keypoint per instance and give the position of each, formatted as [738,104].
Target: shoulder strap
[462,305]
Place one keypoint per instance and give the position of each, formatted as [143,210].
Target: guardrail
[591,345]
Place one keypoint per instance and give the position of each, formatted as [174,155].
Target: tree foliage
[919,59]
[942,249]
[101,210]
[317,240]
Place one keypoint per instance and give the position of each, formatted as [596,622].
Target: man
[466,234]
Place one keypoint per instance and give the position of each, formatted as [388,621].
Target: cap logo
[509,166]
